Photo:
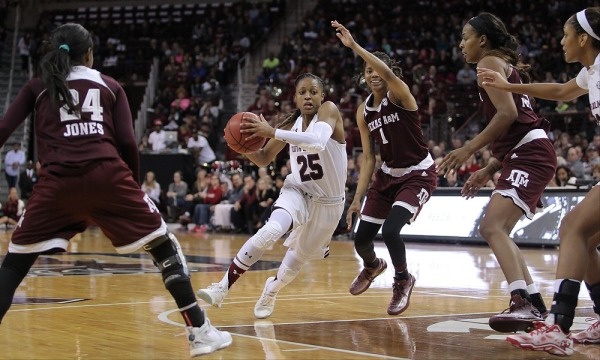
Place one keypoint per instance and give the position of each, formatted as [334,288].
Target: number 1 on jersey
[383,139]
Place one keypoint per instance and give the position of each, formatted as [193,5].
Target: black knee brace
[169,259]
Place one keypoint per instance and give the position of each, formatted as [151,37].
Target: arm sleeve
[124,134]
[312,141]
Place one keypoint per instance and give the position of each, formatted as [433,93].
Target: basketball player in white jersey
[311,201]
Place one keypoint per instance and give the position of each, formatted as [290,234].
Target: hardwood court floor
[95,304]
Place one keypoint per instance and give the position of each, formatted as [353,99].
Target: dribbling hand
[256,128]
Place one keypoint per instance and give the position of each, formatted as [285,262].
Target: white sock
[517,285]
[532,289]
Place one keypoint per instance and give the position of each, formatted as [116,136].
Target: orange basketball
[236,140]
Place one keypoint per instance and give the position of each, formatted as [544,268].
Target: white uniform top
[590,80]
[321,174]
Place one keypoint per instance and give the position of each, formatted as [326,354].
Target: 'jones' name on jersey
[91,107]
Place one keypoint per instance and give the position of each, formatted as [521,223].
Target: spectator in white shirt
[13,161]
[200,148]
[157,139]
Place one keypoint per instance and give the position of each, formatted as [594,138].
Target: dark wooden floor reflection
[96,304]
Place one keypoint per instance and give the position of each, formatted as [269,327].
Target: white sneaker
[266,304]
[544,338]
[590,335]
[214,294]
[207,339]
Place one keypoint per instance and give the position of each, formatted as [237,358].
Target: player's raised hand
[343,33]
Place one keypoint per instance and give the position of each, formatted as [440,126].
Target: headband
[586,25]
[477,24]
[64,47]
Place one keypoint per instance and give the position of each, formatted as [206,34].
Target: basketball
[236,140]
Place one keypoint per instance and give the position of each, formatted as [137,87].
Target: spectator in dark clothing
[242,214]
[27,179]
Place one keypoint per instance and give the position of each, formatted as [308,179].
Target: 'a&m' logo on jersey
[518,178]
[423,196]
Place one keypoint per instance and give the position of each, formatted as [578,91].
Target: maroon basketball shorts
[410,191]
[62,206]
[526,171]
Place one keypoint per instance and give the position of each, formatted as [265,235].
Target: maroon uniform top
[526,121]
[103,130]
[397,132]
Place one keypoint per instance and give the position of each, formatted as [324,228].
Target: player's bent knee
[267,235]
[169,259]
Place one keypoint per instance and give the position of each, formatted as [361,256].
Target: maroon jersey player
[89,168]
[407,176]
[521,150]
[579,258]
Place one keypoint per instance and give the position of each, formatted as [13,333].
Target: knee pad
[267,235]
[169,259]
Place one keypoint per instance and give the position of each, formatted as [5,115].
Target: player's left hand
[476,181]
[454,160]
[343,34]
[257,128]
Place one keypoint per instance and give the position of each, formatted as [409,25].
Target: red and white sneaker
[544,338]
[590,335]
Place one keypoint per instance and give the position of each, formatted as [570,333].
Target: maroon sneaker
[366,277]
[520,316]
[401,298]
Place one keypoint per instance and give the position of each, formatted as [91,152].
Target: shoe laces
[368,272]
[399,286]
[216,287]
[595,323]
[514,306]
[540,328]
[267,298]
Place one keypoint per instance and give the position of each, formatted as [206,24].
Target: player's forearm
[312,141]
[366,172]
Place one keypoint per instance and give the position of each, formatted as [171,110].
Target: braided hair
[359,78]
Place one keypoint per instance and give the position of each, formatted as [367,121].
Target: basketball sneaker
[519,316]
[214,294]
[366,277]
[544,338]
[590,335]
[266,304]
[206,339]
[401,295]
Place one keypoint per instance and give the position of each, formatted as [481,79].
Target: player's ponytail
[502,43]
[68,45]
